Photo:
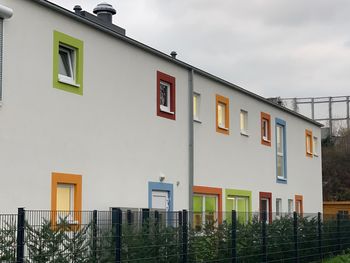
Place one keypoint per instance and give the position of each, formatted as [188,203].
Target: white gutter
[5,12]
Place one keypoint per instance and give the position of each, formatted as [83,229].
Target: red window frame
[268,196]
[171,81]
[299,199]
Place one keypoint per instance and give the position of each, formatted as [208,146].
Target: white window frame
[266,130]
[278,207]
[203,206]
[71,54]
[243,118]
[162,107]
[290,206]
[196,106]
[235,200]
[309,144]
[315,146]
[281,154]
[223,117]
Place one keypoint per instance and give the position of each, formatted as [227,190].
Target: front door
[266,206]
[160,200]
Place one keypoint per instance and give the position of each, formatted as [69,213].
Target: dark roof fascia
[167,57]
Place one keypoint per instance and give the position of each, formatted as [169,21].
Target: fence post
[264,241]
[20,235]
[319,228]
[94,235]
[234,236]
[296,245]
[184,236]
[338,233]
[117,226]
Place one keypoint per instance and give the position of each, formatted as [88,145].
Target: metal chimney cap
[77,9]
[104,7]
[173,54]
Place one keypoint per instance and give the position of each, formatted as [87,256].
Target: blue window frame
[281,151]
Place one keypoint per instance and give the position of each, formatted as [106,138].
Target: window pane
[242,208]
[265,129]
[290,205]
[195,106]
[308,143]
[197,203]
[315,147]
[279,136]
[280,165]
[221,115]
[164,90]
[64,195]
[244,121]
[231,203]
[64,63]
[210,204]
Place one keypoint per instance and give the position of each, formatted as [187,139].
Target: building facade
[92,119]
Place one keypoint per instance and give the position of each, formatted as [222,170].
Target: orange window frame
[267,118]
[226,102]
[308,133]
[299,198]
[72,179]
[211,191]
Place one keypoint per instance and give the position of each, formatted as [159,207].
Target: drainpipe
[191,143]
[5,13]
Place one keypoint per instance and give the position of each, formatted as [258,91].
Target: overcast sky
[287,48]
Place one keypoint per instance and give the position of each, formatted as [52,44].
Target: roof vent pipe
[173,54]
[77,9]
[105,11]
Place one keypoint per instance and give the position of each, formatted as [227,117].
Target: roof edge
[160,54]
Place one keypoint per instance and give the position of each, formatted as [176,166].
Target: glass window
[309,143]
[315,146]
[278,207]
[66,60]
[290,206]
[222,114]
[196,106]
[265,129]
[244,121]
[164,96]
[241,205]
[68,54]
[280,149]
[166,104]
[204,210]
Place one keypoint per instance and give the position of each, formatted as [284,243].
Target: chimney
[173,54]
[77,9]
[105,11]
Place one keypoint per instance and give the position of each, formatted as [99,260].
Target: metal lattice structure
[332,112]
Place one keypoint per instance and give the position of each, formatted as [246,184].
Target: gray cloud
[271,47]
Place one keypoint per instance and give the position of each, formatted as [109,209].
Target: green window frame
[241,215]
[61,39]
[205,209]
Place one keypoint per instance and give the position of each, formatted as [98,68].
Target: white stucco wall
[111,135]
[243,162]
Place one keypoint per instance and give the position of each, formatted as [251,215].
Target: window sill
[223,128]
[315,154]
[166,111]
[244,134]
[266,140]
[197,120]
[68,82]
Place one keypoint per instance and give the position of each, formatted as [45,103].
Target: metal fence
[143,235]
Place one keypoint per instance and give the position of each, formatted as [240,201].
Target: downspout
[5,13]
[191,143]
